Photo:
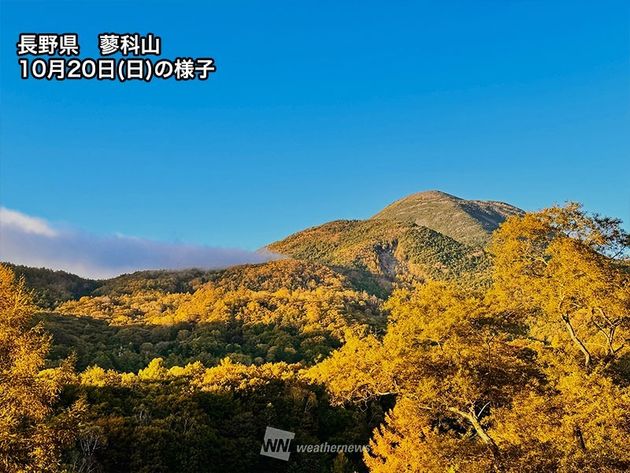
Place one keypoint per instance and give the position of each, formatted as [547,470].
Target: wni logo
[276,443]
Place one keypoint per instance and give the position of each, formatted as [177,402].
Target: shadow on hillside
[166,425]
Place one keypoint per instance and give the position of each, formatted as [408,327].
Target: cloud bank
[33,241]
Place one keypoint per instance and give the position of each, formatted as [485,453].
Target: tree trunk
[577,341]
[579,438]
[481,432]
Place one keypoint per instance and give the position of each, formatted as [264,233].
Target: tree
[492,380]
[570,270]
[29,439]
[450,364]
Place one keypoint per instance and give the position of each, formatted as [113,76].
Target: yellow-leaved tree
[450,361]
[530,375]
[29,439]
[570,271]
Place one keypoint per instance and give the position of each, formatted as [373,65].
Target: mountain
[467,221]
[428,235]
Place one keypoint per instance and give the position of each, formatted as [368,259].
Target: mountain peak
[432,194]
[467,221]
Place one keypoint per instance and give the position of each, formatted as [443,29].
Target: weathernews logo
[277,444]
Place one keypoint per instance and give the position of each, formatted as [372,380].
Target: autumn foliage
[528,371]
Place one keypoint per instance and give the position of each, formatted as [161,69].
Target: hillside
[373,253]
[51,288]
[168,281]
[284,310]
[467,221]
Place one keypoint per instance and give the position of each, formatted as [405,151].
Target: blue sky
[318,111]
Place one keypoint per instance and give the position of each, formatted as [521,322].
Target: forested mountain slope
[428,235]
[374,253]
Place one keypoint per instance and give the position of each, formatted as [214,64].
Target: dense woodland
[443,357]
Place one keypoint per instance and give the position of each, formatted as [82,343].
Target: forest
[441,356]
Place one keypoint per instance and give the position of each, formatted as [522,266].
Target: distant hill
[51,288]
[272,276]
[467,221]
[167,281]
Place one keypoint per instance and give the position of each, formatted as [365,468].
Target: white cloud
[33,241]
[23,223]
